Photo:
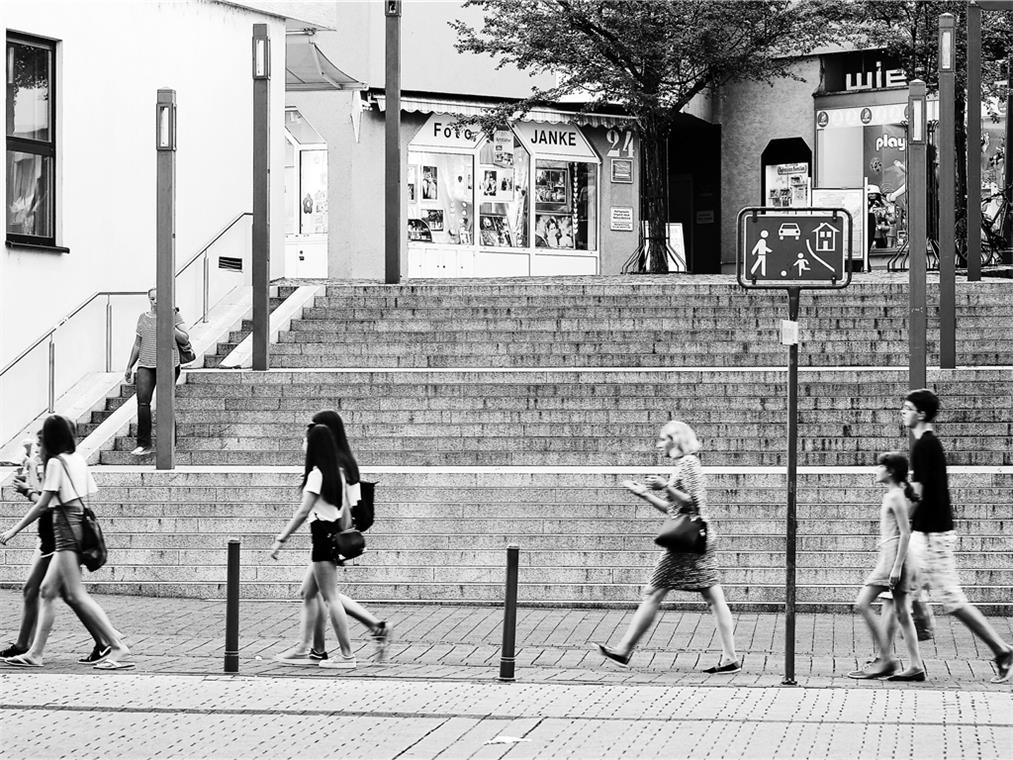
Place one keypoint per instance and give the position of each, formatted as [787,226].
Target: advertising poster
[412,183]
[434,218]
[503,148]
[787,185]
[552,188]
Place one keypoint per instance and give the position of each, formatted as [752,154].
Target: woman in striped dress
[683,492]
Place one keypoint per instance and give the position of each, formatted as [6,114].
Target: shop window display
[565,205]
[439,196]
[503,192]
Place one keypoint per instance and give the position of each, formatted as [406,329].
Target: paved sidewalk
[245,717]
[186,636]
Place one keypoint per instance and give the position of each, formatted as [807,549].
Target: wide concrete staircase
[475,449]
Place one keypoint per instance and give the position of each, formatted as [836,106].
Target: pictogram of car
[789,229]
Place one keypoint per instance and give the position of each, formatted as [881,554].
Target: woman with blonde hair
[681,493]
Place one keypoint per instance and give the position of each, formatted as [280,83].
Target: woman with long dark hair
[66,481]
[378,629]
[325,502]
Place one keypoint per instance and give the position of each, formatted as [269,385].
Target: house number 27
[619,138]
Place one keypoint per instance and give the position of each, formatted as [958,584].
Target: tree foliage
[650,58]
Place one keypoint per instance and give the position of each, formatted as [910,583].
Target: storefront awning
[468,109]
[306,68]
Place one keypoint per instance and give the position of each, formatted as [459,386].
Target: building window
[439,189]
[566,204]
[31,141]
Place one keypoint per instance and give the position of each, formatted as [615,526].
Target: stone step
[441,536]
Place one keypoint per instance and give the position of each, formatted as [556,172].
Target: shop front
[523,201]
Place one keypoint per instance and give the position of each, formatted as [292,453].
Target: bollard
[232,609]
[507,658]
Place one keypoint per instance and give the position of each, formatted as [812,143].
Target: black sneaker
[99,653]
[318,654]
[12,651]
[727,668]
[381,638]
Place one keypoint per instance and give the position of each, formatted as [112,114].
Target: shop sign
[622,170]
[621,218]
[562,140]
[443,131]
[862,71]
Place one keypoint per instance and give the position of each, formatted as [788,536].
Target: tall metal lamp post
[917,233]
[947,192]
[165,280]
[261,248]
[392,145]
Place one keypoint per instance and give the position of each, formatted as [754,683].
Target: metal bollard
[232,609]
[507,658]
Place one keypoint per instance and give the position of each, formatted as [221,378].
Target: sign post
[791,250]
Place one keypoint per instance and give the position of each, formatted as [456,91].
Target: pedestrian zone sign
[802,248]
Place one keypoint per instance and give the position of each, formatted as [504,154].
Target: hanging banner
[503,147]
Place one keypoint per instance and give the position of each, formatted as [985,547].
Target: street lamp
[917,104]
[165,125]
[946,23]
[261,57]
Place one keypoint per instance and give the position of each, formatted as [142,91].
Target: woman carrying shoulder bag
[66,480]
[683,493]
[325,503]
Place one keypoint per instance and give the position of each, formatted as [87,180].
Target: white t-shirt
[323,509]
[80,484]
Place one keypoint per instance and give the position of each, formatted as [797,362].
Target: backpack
[362,513]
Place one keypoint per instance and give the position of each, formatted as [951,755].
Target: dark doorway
[694,191]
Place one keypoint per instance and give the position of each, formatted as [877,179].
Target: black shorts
[321,532]
[47,539]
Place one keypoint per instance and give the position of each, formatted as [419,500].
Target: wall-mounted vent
[230,263]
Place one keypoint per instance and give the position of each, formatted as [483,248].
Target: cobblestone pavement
[553,645]
[437,695]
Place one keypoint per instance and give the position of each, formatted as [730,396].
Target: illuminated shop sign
[861,72]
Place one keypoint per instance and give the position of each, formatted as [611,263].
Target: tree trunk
[653,198]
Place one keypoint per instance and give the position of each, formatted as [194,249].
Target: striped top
[688,477]
[146,331]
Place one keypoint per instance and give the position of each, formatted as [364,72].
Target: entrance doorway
[694,191]
[306,216]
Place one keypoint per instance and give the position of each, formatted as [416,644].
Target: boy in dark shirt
[932,539]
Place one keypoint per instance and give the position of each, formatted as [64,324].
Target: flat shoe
[22,661]
[907,675]
[729,668]
[114,665]
[622,660]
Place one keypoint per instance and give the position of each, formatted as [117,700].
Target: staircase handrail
[108,294]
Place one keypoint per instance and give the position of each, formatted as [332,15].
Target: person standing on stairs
[933,540]
[378,629]
[893,571]
[325,502]
[144,354]
[66,480]
[684,491]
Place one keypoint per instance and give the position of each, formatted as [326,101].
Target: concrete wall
[111,58]
[752,114]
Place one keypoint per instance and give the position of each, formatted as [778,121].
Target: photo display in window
[566,205]
[503,192]
[440,190]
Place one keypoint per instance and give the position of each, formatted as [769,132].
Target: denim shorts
[67,527]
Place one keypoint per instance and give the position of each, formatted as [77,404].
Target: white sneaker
[339,663]
[141,451]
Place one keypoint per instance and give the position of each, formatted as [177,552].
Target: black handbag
[346,543]
[685,533]
[91,549]
[186,352]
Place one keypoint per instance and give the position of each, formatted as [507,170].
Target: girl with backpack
[326,504]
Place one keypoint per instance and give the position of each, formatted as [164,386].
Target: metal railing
[207,270]
[109,295]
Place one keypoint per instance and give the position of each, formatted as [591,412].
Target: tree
[650,58]
[908,32]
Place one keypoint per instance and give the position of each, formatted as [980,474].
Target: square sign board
[799,247]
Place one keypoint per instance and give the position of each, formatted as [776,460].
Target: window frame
[45,149]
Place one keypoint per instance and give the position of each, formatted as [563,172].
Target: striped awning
[411,104]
